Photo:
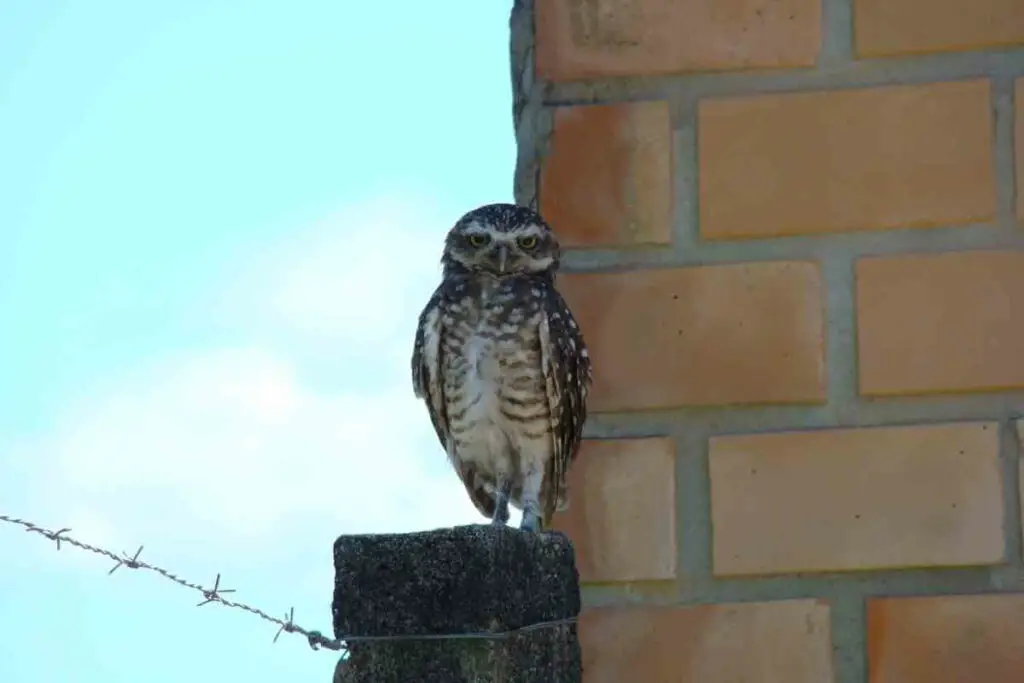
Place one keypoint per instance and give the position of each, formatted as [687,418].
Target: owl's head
[501,239]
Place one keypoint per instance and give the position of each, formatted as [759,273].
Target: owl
[501,365]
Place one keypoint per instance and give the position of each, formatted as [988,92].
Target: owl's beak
[502,257]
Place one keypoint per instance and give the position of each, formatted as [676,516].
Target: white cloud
[235,444]
[353,281]
[228,440]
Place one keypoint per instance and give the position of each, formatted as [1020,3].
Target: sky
[219,220]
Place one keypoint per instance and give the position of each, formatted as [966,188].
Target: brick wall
[796,248]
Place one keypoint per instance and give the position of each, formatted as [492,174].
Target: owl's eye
[478,240]
[528,242]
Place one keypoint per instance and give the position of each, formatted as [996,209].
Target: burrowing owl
[501,365]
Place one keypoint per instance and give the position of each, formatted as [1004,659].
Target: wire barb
[315,639]
[213,595]
[125,561]
[289,624]
[52,535]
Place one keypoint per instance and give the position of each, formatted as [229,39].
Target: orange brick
[1018,138]
[893,27]
[621,516]
[772,642]
[850,499]
[842,160]
[607,178]
[579,39]
[950,639]
[932,323]
[708,335]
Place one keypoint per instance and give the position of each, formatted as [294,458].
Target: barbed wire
[214,594]
[287,624]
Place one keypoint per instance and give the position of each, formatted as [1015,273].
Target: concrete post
[466,580]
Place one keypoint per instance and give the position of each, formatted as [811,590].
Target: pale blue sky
[218,221]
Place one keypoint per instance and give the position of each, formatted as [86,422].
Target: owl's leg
[502,491]
[531,499]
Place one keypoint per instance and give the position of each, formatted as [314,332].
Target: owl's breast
[495,385]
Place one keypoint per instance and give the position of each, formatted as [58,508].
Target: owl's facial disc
[501,240]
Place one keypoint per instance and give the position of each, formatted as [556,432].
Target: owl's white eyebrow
[528,230]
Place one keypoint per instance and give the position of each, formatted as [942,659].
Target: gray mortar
[532,120]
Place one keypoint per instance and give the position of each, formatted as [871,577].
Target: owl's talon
[531,521]
[500,515]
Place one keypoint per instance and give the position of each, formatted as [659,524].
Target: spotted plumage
[501,365]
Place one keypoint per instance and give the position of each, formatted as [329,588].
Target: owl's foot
[531,521]
[498,520]
[531,500]
[501,494]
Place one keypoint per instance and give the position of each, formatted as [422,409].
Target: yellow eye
[528,242]
[478,240]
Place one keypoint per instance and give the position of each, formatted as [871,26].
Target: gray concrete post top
[470,603]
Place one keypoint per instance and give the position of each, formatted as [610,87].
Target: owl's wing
[428,384]
[568,375]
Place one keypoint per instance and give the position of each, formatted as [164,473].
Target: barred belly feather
[494,384]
